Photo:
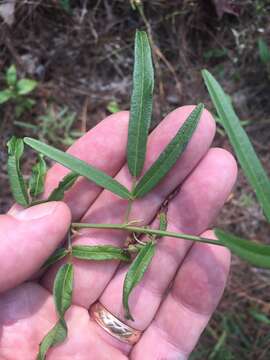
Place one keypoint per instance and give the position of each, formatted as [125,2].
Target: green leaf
[5,95]
[259,316]
[37,180]
[62,289]
[113,107]
[80,167]
[170,155]
[54,337]
[163,221]
[136,272]
[11,75]
[65,4]
[264,52]
[141,104]
[254,253]
[56,256]
[62,292]
[64,185]
[17,184]
[99,252]
[242,146]
[25,86]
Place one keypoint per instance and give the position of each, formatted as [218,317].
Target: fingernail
[36,212]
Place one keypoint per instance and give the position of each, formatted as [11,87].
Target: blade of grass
[80,167]
[141,104]
[170,155]
[242,146]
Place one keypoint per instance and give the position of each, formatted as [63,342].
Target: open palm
[180,290]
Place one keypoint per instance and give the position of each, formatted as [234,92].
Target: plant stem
[147,230]
[69,246]
[130,201]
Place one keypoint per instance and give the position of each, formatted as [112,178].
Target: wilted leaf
[242,146]
[80,167]
[99,252]
[170,155]
[64,185]
[17,184]
[141,104]
[136,272]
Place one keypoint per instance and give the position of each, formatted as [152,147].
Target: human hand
[183,284]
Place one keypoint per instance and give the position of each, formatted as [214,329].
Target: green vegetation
[140,119]
[17,91]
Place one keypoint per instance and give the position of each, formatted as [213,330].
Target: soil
[83,60]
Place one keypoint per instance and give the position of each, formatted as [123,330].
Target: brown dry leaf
[7,11]
[226,6]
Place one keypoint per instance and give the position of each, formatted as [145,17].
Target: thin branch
[147,230]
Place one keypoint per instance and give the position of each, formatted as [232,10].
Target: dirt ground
[82,60]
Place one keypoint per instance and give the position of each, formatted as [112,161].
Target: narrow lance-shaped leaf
[62,292]
[80,167]
[170,155]
[56,256]
[136,272]
[37,180]
[99,252]
[64,185]
[54,337]
[242,146]
[62,289]
[254,253]
[17,184]
[141,104]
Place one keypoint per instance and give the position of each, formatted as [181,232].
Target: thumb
[28,238]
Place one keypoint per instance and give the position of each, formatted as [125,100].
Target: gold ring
[113,325]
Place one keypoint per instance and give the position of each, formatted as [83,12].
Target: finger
[192,211]
[188,307]
[27,314]
[103,147]
[28,238]
[110,209]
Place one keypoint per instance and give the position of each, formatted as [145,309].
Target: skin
[180,291]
